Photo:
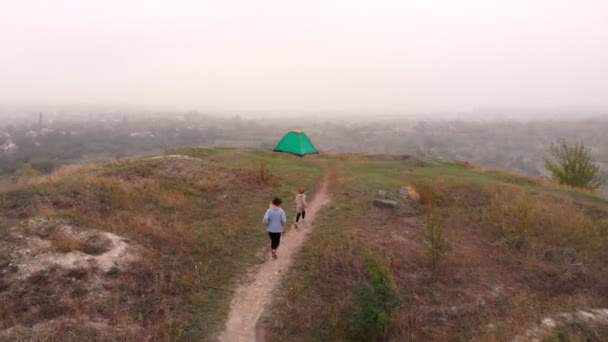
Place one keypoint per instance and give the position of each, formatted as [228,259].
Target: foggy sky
[287,56]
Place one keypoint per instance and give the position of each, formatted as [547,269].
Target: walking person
[275,219]
[301,206]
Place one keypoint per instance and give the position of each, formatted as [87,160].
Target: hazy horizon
[315,57]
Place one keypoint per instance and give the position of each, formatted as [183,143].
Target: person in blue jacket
[275,219]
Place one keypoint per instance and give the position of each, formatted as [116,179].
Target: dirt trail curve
[251,298]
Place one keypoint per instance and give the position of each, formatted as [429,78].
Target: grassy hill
[510,251]
[192,222]
[153,247]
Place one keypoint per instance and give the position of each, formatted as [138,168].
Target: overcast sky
[292,56]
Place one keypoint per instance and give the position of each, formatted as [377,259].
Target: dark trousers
[303,214]
[275,239]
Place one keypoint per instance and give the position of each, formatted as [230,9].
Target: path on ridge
[250,298]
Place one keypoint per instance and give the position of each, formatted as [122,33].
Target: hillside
[153,248]
[516,259]
[137,249]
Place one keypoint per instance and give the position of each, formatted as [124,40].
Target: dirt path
[251,298]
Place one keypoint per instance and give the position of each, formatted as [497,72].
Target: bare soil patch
[48,269]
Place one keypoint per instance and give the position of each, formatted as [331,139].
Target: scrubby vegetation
[375,299]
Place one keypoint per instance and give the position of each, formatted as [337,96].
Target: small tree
[572,165]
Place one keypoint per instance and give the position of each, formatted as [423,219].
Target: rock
[409,193]
[384,203]
[382,193]
[548,322]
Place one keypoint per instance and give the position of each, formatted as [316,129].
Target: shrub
[375,301]
[522,219]
[573,166]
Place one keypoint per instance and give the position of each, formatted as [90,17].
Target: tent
[296,142]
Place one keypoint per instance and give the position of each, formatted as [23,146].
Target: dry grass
[193,222]
[65,243]
[60,173]
[485,289]
[542,182]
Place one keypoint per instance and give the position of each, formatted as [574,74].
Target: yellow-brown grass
[64,242]
[484,279]
[191,222]
[539,181]
[60,173]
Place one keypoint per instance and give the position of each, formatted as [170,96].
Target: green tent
[296,142]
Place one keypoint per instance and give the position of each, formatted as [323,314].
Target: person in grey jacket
[275,219]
